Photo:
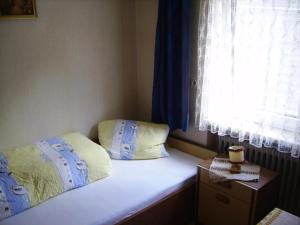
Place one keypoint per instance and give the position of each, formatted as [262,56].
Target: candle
[236,154]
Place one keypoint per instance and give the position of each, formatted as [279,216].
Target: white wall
[66,70]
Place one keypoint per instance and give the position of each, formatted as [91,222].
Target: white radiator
[287,166]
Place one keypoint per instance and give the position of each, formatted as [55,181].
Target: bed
[159,191]
[279,217]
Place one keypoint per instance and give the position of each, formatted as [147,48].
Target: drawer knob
[222,198]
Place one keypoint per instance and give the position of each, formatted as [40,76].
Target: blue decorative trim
[14,197]
[78,168]
[128,146]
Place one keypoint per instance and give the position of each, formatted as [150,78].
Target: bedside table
[235,202]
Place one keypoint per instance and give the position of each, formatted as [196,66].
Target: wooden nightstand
[235,202]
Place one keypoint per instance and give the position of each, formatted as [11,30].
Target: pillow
[127,139]
[31,174]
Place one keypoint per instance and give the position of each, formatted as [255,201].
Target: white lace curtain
[248,83]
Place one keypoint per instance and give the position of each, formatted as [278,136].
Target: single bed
[279,217]
[138,191]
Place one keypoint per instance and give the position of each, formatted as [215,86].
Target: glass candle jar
[236,154]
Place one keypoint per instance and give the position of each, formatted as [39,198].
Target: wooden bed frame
[178,208]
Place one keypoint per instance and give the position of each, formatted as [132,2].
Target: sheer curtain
[248,83]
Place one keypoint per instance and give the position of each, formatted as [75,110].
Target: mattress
[133,186]
[279,217]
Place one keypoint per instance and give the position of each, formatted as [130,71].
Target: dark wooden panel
[265,200]
[176,209]
[219,208]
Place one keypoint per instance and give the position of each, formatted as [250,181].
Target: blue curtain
[170,98]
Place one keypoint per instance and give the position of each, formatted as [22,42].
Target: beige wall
[80,62]
[146,18]
[66,70]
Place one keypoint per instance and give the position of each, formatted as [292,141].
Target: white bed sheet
[132,186]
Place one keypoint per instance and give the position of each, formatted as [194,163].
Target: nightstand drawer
[232,188]
[216,208]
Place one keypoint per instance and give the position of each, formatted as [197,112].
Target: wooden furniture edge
[185,146]
[190,148]
[258,213]
[267,175]
[189,184]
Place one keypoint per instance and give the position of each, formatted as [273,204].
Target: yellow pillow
[31,174]
[127,139]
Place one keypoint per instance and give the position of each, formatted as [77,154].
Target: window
[249,71]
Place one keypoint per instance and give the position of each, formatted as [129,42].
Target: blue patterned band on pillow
[123,143]
[127,139]
[73,171]
[31,174]
[14,198]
